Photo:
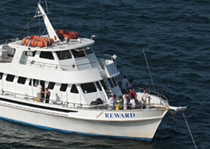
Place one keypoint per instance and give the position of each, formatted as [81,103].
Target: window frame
[112,82]
[32,52]
[58,53]
[88,50]
[44,56]
[98,86]
[104,84]
[51,84]
[10,77]
[88,87]
[34,82]
[63,87]
[20,80]
[74,89]
[80,52]
[1,75]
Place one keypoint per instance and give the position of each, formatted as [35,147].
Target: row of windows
[86,87]
[62,55]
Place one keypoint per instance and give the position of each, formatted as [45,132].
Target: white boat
[66,64]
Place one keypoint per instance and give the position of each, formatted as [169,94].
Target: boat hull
[138,124]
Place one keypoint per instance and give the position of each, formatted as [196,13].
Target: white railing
[75,105]
[151,92]
[57,66]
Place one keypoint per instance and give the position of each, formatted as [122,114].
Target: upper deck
[56,46]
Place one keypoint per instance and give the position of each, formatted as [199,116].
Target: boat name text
[119,115]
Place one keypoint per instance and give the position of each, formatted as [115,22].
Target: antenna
[46,6]
[148,69]
[27,23]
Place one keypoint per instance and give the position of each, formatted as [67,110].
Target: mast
[50,29]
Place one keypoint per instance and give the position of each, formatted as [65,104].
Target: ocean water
[175,36]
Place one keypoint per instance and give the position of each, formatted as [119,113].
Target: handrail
[26,96]
[107,55]
[104,106]
[56,66]
[153,93]
[9,39]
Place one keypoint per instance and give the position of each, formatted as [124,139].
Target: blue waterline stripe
[67,131]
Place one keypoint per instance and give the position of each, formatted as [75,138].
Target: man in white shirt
[112,101]
[125,100]
[132,102]
[144,98]
[38,91]
[124,84]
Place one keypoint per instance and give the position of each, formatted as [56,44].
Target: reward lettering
[119,115]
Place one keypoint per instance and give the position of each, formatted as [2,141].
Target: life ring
[37,41]
[67,34]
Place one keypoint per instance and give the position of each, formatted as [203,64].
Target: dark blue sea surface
[175,36]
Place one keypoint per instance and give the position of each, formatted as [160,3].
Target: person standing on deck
[144,98]
[125,100]
[124,84]
[112,101]
[38,91]
[47,95]
[132,93]
[132,102]
[130,83]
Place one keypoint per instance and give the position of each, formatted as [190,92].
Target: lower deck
[24,99]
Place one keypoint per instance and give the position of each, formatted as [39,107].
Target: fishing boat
[80,86]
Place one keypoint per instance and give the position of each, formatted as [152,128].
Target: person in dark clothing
[47,95]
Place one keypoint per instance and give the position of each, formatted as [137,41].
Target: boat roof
[56,46]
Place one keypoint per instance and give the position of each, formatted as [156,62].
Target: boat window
[63,87]
[51,85]
[88,87]
[21,80]
[34,82]
[46,55]
[1,75]
[74,89]
[104,85]
[112,82]
[62,55]
[88,50]
[30,53]
[78,53]
[10,78]
[98,85]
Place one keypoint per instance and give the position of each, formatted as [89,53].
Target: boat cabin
[69,69]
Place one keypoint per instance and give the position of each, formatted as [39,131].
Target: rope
[25,27]
[149,70]
[189,130]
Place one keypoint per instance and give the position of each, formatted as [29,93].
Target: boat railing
[17,95]
[107,56]
[105,106]
[92,64]
[41,64]
[151,92]
[58,66]
[116,107]
[6,41]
